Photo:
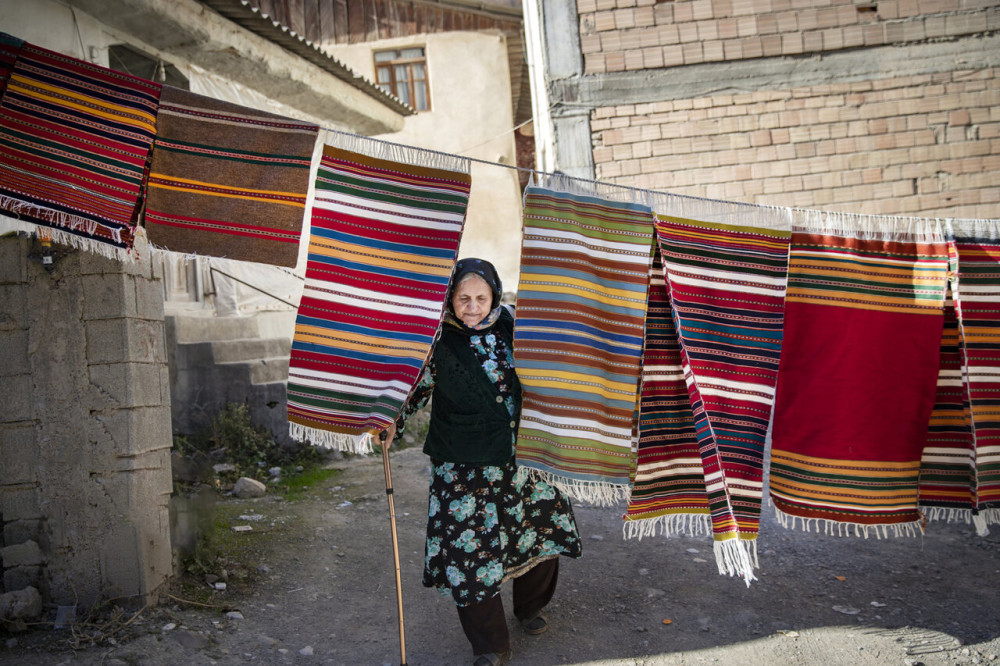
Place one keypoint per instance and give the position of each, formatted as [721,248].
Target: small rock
[220,586]
[299,468]
[283,650]
[211,579]
[653,593]
[263,568]
[242,528]
[306,651]
[246,488]
[698,559]
[234,615]
[221,468]
[274,471]
[597,537]
[267,640]
[847,610]
[344,503]
[170,626]
[643,572]
[692,550]
[878,605]
[192,640]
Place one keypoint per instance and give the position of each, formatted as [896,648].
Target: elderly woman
[487,521]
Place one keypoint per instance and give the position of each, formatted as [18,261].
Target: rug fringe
[869,227]
[845,529]
[338,441]
[980,229]
[669,525]
[395,152]
[721,212]
[737,557]
[597,493]
[106,250]
[589,188]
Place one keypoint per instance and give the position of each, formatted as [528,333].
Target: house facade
[863,107]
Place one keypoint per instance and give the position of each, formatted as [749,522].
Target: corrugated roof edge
[241,13]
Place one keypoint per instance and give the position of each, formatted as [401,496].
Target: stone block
[108,296]
[19,502]
[19,453]
[149,298]
[14,352]
[13,307]
[26,554]
[15,396]
[122,385]
[19,531]
[107,341]
[13,260]
[23,604]
[121,564]
[21,578]
[130,432]
[147,341]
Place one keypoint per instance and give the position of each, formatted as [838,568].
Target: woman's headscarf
[488,273]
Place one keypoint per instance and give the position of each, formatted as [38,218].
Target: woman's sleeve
[418,398]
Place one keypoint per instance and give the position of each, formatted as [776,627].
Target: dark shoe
[536,625]
[491,659]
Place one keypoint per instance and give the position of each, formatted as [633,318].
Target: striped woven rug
[947,465]
[578,338]
[726,267]
[382,246]
[227,181]
[859,374]
[668,492]
[960,475]
[74,139]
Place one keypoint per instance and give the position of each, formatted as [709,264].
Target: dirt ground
[322,592]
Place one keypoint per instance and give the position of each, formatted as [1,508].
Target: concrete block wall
[85,430]
[926,145]
[630,35]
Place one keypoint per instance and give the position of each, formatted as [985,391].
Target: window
[403,72]
[127,59]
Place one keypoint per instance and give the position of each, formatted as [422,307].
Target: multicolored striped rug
[227,181]
[974,458]
[947,465]
[74,139]
[578,337]
[668,492]
[383,243]
[726,268]
[859,374]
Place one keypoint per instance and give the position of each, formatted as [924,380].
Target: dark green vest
[470,423]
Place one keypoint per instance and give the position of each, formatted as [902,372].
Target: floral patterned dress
[489,523]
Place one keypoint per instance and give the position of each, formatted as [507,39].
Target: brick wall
[925,145]
[630,35]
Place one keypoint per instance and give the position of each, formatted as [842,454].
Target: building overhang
[267,58]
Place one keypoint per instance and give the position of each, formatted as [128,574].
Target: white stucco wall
[471,116]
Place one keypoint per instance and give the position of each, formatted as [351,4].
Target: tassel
[598,493]
[338,441]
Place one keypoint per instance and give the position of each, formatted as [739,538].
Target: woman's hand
[390,434]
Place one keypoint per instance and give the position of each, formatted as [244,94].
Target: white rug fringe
[841,529]
[363,443]
[598,493]
[720,212]
[8,224]
[869,227]
[972,228]
[395,152]
[669,525]
[737,557]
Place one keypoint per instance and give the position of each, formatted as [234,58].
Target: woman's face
[472,300]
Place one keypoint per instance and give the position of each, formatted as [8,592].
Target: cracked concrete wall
[85,430]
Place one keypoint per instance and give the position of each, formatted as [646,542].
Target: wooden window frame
[391,65]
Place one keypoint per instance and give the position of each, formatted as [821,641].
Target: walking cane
[395,545]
